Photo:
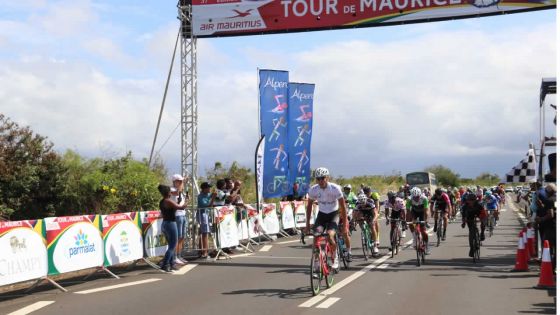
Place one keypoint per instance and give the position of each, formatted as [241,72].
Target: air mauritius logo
[82,245]
[240,14]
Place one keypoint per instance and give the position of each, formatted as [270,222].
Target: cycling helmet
[321,172]
[391,195]
[439,191]
[367,190]
[488,193]
[400,194]
[362,198]
[347,186]
[415,192]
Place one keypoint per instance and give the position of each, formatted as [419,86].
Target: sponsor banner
[227,226]
[254,221]
[23,251]
[300,123]
[314,211]
[287,215]
[271,224]
[300,214]
[73,243]
[273,96]
[122,237]
[242,230]
[155,243]
[212,18]
[259,168]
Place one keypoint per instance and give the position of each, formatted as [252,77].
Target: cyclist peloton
[417,209]
[397,207]
[471,209]
[441,202]
[366,210]
[332,208]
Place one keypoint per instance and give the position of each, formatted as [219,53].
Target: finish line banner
[273,96]
[300,123]
[214,18]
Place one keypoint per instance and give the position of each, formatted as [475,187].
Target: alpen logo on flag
[525,171]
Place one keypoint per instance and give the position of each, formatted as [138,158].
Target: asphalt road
[275,280]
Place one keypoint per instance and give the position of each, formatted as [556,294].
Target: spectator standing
[168,208]
[546,220]
[180,197]
[206,201]
[221,193]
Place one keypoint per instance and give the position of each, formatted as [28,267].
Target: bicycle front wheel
[393,242]
[418,250]
[316,273]
[439,230]
[364,236]
[341,256]
[329,275]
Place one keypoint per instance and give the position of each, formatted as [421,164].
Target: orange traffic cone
[527,256]
[546,280]
[531,242]
[521,258]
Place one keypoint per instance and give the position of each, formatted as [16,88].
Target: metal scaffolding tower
[189,104]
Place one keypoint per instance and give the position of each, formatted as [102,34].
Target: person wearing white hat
[180,215]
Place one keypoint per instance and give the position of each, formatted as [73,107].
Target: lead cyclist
[332,208]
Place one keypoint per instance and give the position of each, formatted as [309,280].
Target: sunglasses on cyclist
[320,178]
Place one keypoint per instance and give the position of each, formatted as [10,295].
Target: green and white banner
[227,226]
[155,243]
[23,251]
[74,243]
[122,237]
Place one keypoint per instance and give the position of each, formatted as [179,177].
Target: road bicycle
[491,222]
[322,259]
[367,243]
[474,240]
[439,227]
[395,236]
[342,253]
[420,244]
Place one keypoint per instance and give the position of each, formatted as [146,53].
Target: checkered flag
[525,171]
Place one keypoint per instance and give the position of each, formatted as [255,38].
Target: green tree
[107,186]
[445,176]
[31,173]
[487,179]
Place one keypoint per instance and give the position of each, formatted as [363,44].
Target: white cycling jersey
[327,198]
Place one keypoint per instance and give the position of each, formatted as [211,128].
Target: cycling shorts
[366,214]
[396,214]
[418,216]
[329,221]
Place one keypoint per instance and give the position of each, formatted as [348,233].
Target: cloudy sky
[90,75]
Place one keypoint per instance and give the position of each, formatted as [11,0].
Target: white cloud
[458,97]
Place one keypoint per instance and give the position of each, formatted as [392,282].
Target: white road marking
[328,302]
[185,269]
[265,248]
[278,257]
[117,286]
[32,308]
[314,300]
[344,282]
[383,266]
[241,255]
[294,241]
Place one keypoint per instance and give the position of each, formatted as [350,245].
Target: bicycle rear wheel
[341,256]
[439,230]
[316,272]
[476,255]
